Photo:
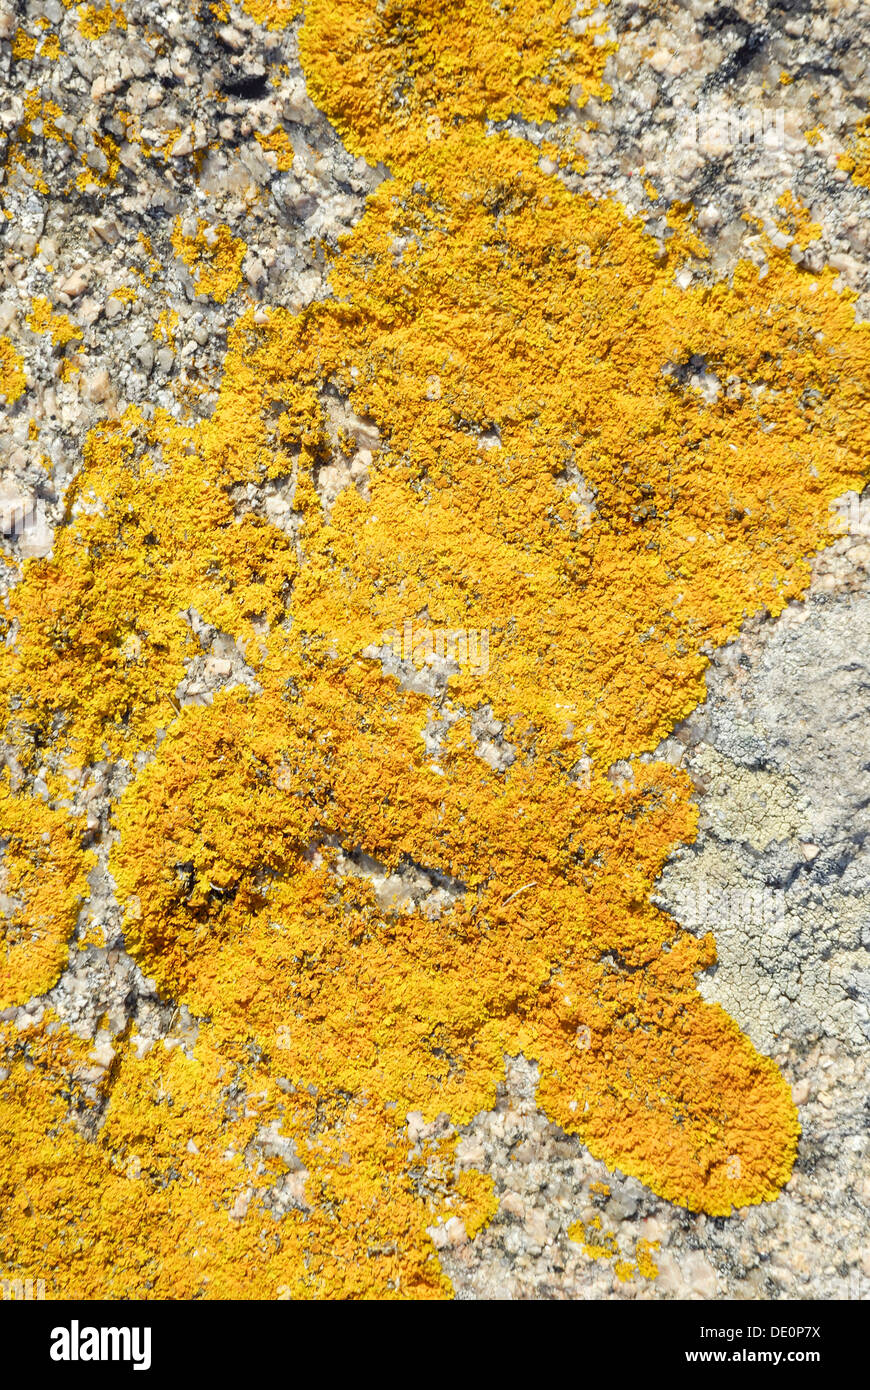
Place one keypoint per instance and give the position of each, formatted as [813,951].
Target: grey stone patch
[579,493]
[287,1191]
[407,888]
[221,666]
[354,441]
[429,679]
[785,764]
[489,739]
[437,725]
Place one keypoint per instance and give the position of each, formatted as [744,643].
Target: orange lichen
[50,47]
[42,882]
[95,21]
[856,159]
[183,1165]
[274,14]
[42,319]
[213,256]
[105,585]
[12,378]
[543,473]
[97,178]
[278,144]
[23,45]
[396,77]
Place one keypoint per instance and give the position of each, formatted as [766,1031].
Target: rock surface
[780,751]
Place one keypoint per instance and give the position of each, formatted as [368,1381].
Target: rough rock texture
[780,752]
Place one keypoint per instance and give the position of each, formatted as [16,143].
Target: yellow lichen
[646,1265]
[100,178]
[795,221]
[48,112]
[165,326]
[23,45]
[42,882]
[146,276]
[213,256]
[275,14]
[599,1244]
[50,47]
[95,21]
[544,474]
[395,78]
[12,378]
[277,143]
[856,159]
[44,119]
[42,319]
